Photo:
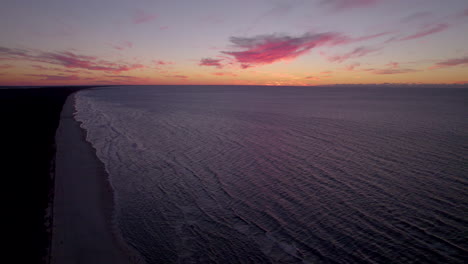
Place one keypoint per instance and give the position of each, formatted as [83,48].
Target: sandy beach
[83,204]
[29,120]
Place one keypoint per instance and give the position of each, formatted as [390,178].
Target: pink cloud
[161,62]
[353,66]
[164,27]
[71,60]
[357,52]
[347,4]
[450,63]
[123,45]
[67,59]
[393,65]
[224,74]
[326,72]
[211,62]
[465,12]
[426,32]
[313,78]
[140,17]
[267,49]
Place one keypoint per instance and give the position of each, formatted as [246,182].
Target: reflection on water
[285,174]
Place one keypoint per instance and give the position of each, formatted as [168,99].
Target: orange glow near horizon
[23,77]
[303,44]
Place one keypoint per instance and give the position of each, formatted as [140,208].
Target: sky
[236,42]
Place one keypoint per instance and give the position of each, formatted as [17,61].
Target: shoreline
[84,228]
[30,117]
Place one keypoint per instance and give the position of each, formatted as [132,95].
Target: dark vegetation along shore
[29,119]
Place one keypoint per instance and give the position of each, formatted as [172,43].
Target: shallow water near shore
[225,174]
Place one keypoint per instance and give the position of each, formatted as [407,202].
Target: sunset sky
[255,42]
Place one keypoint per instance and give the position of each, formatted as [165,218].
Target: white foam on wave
[124,147]
[88,114]
[254,172]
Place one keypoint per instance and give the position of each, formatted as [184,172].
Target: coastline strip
[83,228]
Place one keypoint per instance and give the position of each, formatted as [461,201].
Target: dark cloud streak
[426,32]
[451,63]
[211,62]
[55,77]
[67,59]
[357,52]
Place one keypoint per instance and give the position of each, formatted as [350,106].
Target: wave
[262,176]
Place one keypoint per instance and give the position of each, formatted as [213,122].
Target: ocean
[245,174]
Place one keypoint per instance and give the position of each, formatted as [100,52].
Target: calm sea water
[285,174]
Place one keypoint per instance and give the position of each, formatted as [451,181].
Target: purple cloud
[7,53]
[55,77]
[357,52]
[267,49]
[347,4]
[426,32]
[140,17]
[393,65]
[40,67]
[392,71]
[392,68]
[416,16]
[67,59]
[450,63]
[353,66]
[123,45]
[211,62]
[161,62]
[71,60]
[6,66]
[364,38]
